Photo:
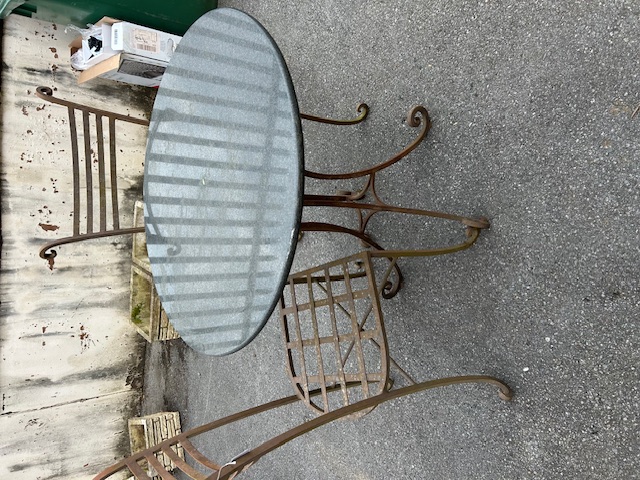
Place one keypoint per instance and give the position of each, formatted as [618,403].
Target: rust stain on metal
[48,227]
[24,110]
[44,329]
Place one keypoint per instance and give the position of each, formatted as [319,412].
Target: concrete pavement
[533,126]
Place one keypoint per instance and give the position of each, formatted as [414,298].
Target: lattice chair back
[333,333]
[333,327]
[102,213]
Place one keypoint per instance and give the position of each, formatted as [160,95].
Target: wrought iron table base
[417,117]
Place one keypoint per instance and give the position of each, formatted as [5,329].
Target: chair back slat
[316,344]
[191,450]
[138,472]
[158,467]
[357,327]
[87,168]
[76,170]
[341,380]
[102,187]
[182,465]
[114,180]
[304,387]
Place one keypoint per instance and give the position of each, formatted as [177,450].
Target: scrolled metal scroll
[361,108]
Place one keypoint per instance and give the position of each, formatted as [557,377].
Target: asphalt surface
[533,127]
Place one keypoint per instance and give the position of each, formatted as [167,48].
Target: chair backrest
[333,332]
[333,326]
[94,122]
[145,464]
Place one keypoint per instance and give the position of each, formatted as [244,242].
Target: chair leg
[361,108]
[247,458]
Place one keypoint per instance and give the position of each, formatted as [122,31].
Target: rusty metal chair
[333,329]
[198,466]
[107,222]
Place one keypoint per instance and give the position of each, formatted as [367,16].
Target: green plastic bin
[164,15]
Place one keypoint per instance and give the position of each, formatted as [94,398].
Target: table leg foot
[361,108]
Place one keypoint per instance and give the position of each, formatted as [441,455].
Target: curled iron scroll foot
[49,257]
[505,394]
[393,285]
[417,115]
[481,223]
[361,108]
[44,91]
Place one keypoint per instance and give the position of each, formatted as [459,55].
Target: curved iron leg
[417,116]
[48,253]
[392,287]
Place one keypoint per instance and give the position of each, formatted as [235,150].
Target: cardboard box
[140,54]
[127,68]
[79,43]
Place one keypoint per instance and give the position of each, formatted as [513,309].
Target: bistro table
[223,182]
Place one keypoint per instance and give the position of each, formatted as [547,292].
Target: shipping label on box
[147,42]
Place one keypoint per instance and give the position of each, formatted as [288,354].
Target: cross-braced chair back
[98,127]
[333,326]
[334,334]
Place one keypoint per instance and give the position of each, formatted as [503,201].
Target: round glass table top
[223,182]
